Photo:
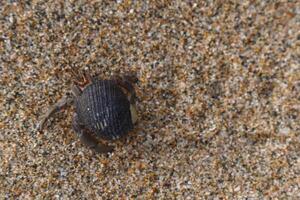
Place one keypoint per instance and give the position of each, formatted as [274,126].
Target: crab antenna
[81,78]
[87,77]
[75,75]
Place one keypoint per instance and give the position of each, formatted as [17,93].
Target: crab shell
[104,109]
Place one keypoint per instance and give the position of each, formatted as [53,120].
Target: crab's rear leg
[65,101]
[89,140]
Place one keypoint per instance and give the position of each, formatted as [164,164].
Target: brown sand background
[219,99]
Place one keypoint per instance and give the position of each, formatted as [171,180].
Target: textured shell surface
[104,109]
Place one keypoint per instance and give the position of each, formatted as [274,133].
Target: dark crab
[104,109]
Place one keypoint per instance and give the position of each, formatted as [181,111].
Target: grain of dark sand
[218,99]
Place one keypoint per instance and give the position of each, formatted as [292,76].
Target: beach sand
[218,99]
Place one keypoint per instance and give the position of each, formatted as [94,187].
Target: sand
[218,99]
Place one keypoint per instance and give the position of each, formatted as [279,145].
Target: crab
[104,109]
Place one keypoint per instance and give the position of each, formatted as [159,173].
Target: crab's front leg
[86,138]
[66,100]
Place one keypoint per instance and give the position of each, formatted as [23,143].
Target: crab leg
[63,102]
[87,139]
